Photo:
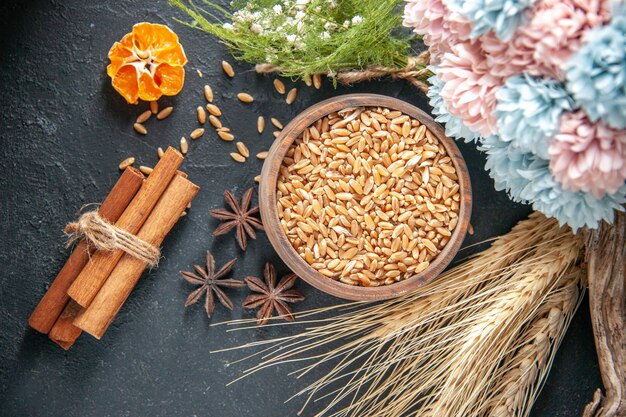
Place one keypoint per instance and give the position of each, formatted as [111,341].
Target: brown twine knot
[408,73]
[105,236]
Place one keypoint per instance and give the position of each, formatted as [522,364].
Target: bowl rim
[280,242]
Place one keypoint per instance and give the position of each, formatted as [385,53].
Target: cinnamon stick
[96,318]
[95,273]
[54,300]
[64,333]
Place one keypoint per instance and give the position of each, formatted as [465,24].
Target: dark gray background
[63,130]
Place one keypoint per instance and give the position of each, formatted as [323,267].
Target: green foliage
[303,37]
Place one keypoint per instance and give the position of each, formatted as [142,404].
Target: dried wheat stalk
[413,354]
[522,373]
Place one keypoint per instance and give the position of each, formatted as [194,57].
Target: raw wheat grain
[226,136]
[213,109]
[279,86]
[141,129]
[245,98]
[260,124]
[143,117]
[215,122]
[228,69]
[184,146]
[197,133]
[126,163]
[238,157]
[373,193]
[317,81]
[276,123]
[163,114]
[208,93]
[201,115]
[242,149]
[291,96]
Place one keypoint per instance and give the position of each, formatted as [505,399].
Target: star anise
[209,283]
[242,218]
[271,296]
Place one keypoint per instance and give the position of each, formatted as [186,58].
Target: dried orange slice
[147,63]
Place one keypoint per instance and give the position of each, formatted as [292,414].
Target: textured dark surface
[63,130]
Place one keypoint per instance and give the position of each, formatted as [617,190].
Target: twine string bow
[103,235]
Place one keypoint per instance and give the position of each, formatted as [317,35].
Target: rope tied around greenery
[414,72]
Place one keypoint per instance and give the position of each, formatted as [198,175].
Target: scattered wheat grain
[163,114]
[139,128]
[243,149]
[213,109]
[238,157]
[143,117]
[245,98]
[184,146]
[127,162]
[279,86]
[228,69]
[208,93]
[197,133]
[291,96]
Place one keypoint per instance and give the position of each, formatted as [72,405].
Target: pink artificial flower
[589,157]
[543,45]
[470,88]
[507,59]
[439,27]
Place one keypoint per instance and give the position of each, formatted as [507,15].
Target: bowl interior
[271,221]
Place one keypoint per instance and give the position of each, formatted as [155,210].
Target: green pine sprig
[324,43]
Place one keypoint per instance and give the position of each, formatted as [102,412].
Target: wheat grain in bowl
[368,196]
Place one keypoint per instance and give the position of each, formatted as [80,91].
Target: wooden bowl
[271,221]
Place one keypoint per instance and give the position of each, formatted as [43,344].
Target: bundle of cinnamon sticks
[93,284]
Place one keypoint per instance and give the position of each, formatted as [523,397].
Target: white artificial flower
[228,26]
[290,38]
[300,15]
[243,16]
[346,24]
[325,35]
[357,19]
[277,9]
[256,28]
[329,26]
[302,2]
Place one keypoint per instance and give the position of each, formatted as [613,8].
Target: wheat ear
[414,354]
[523,373]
